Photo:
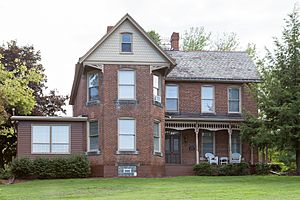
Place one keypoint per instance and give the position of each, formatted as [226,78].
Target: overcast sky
[65,30]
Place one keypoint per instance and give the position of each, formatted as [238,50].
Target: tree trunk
[263,158]
[267,154]
[298,158]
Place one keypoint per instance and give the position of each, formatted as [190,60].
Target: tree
[252,52]
[155,37]
[278,95]
[15,93]
[195,39]
[12,57]
[226,42]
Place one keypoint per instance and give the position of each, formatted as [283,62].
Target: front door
[173,151]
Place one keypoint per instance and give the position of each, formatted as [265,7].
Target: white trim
[88,136]
[121,42]
[172,85]
[127,118]
[213,98]
[49,118]
[50,141]
[240,98]
[88,74]
[127,69]
[159,136]
[159,86]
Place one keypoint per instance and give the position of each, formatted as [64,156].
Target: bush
[74,166]
[277,167]
[262,168]
[6,172]
[205,169]
[22,167]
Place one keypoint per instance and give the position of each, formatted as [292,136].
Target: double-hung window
[126,134]
[93,86]
[207,143]
[126,44]
[50,139]
[207,99]
[93,136]
[234,100]
[172,98]
[235,143]
[156,88]
[157,138]
[126,84]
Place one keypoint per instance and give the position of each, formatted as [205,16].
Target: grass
[235,187]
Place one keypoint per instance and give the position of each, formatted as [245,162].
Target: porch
[186,143]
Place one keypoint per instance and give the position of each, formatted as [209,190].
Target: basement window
[127,170]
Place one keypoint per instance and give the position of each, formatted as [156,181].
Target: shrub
[22,167]
[262,168]
[6,172]
[277,167]
[205,169]
[237,169]
[74,166]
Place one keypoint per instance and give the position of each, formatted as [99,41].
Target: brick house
[143,111]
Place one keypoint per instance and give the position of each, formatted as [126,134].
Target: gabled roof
[79,65]
[213,66]
[139,28]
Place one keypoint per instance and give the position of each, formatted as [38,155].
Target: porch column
[229,143]
[197,145]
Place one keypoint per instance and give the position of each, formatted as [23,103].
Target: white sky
[63,30]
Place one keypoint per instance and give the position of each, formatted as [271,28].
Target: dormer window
[93,86]
[126,45]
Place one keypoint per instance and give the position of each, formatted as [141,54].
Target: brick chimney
[109,28]
[175,41]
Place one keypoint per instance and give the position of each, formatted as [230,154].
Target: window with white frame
[50,139]
[93,136]
[93,86]
[126,43]
[126,134]
[156,88]
[157,138]
[207,99]
[235,143]
[127,170]
[207,142]
[234,100]
[172,97]
[126,84]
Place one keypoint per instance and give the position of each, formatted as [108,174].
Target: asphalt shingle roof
[213,65]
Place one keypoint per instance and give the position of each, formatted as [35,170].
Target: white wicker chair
[212,159]
[236,158]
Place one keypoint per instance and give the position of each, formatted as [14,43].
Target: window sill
[160,154]
[92,103]
[127,152]
[159,104]
[93,153]
[126,102]
[126,53]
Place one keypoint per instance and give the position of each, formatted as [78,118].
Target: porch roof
[204,117]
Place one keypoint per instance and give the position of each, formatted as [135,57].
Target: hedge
[238,169]
[73,166]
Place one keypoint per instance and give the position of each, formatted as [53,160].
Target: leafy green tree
[252,51]
[226,42]
[278,95]
[195,39]
[155,37]
[15,93]
[13,56]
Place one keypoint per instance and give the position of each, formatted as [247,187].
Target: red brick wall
[190,97]
[108,112]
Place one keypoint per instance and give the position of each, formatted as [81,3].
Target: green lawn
[246,187]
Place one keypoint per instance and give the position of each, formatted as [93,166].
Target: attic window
[126,45]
